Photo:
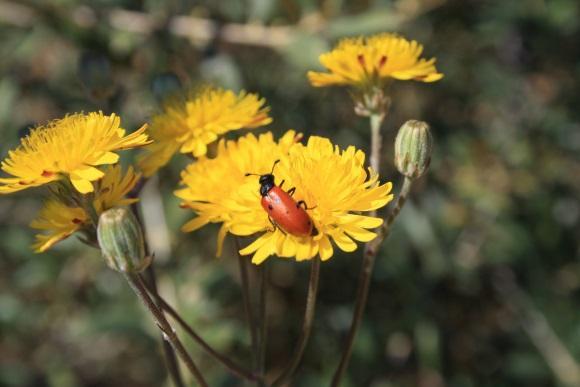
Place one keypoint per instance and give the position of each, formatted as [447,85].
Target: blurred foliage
[477,286]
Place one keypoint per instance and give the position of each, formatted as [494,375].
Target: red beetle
[283,211]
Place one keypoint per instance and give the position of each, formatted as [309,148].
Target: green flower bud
[413,147]
[121,241]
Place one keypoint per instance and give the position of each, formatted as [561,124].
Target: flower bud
[413,147]
[121,241]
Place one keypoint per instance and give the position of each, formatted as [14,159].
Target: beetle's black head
[266,183]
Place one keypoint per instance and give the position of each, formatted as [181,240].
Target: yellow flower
[334,184]
[212,185]
[368,61]
[113,187]
[189,125]
[70,148]
[58,220]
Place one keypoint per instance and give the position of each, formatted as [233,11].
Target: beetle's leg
[281,183]
[291,191]
[302,204]
[274,225]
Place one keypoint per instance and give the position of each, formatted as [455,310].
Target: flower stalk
[169,334]
[168,352]
[371,250]
[262,318]
[234,368]
[247,304]
[306,324]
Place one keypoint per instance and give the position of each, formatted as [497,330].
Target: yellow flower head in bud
[68,148]
[58,220]
[112,189]
[334,184]
[212,186]
[371,60]
[189,125]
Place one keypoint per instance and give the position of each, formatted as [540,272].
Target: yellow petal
[81,185]
[325,248]
[344,242]
[220,240]
[360,234]
[262,253]
[88,173]
[255,245]
[195,224]
[107,158]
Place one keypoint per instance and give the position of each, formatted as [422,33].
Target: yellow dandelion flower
[368,61]
[212,185]
[71,148]
[59,220]
[336,186]
[189,125]
[333,183]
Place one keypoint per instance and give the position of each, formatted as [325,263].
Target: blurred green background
[478,284]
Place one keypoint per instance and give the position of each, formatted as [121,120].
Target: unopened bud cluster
[373,101]
[413,147]
[121,241]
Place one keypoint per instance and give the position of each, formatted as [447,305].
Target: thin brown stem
[263,323]
[229,364]
[251,321]
[371,250]
[169,334]
[306,324]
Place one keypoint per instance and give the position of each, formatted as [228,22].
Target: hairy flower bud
[121,241]
[413,147]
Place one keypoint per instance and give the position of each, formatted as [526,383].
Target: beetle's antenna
[271,172]
[274,165]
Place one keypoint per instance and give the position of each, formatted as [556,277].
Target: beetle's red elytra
[283,211]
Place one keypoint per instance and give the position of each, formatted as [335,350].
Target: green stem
[230,365]
[168,353]
[251,321]
[376,140]
[371,250]
[263,323]
[306,324]
[169,334]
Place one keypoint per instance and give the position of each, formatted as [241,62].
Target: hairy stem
[168,353]
[169,334]
[251,321]
[151,283]
[263,323]
[306,324]
[229,364]
[371,250]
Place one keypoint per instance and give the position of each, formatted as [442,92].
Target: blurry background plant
[479,281]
